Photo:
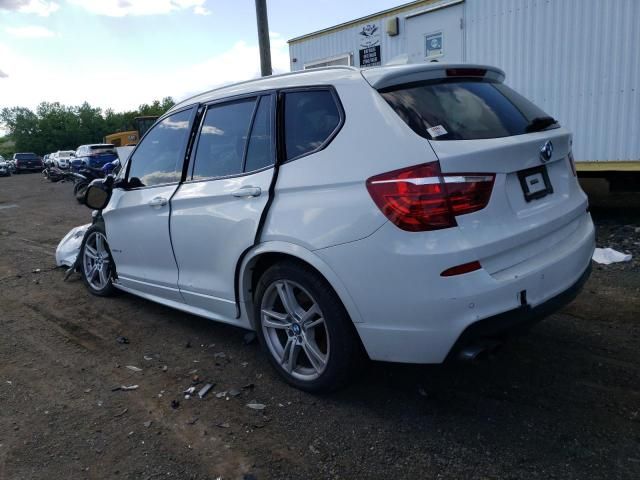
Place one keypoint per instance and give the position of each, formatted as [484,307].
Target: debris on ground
[121,413]
[122,340]
[254,405]
[36,270]
[147,424]
[126,388]
[248,386]
[188,344]
[148,358]
[165,368]
[234,392]
[607,256]
[249,338]
[192,421]
[133,368]
[204,390]
[219,355]
[188,392]
[223,425]
[175,404]
[221,394]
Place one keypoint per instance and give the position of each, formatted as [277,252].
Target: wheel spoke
[91,272]
[275,320]
[99,244]
[91,250]
[309,314]
[315,357]
[288,299]
[313,324]
[290,355]
[103,276]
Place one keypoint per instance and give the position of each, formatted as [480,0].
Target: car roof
[377,77]
[302,78]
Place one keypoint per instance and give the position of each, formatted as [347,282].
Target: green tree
[54,126]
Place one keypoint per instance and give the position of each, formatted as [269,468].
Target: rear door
[137,217]
[217,211]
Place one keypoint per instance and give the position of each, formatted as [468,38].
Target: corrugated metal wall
[578,59]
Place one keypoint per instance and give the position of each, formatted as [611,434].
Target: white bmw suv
[406,214]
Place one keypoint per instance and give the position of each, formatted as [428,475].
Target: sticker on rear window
[437,131]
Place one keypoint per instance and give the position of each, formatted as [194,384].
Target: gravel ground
[560,402]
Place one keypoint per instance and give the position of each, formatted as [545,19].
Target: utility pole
[263,37]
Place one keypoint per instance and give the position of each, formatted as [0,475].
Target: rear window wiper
[540,123]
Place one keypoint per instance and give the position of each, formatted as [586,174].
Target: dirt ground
[561,402]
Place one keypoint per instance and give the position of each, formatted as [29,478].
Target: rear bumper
[517,320]
[35,168]
[413,315]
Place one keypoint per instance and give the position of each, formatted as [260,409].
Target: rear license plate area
[535,183]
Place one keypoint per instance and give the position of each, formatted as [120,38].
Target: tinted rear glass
[463,109]
[310,118]
[26,156]
[103,148]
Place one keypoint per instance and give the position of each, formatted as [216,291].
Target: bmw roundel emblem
[546,152]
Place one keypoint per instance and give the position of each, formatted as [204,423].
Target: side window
[159,158]
[310,117]
[222,140]
[260,152]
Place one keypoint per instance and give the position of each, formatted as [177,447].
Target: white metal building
[577,59]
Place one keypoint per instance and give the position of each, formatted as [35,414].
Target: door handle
[247,192]
[158,202]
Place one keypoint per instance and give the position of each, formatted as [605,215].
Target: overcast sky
[121,53]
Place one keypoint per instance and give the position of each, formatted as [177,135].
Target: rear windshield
[26,156]
[465,109]
[103,148]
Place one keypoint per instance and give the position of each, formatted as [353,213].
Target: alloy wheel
[294,330]
[96,261]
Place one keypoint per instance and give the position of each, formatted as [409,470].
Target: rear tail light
[572,162]
[421,198]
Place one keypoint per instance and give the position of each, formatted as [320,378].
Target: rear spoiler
[385,77]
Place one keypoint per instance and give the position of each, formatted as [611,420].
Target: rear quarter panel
[321,199]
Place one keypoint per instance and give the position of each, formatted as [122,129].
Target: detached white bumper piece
[69,247]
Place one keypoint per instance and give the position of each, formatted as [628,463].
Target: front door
[216,211]
[436,36]
[137,217]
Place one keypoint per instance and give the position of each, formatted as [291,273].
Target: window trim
[282,121]
[229,100]
[315,63]
[170,113]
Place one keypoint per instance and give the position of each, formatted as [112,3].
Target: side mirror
[99,193]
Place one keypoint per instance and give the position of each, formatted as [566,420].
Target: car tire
[96,263]
[319,351]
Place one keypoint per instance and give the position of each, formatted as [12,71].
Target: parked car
[4,168]
[93,156]
[62,158]
[47,160]
[417,213]
[27,162]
